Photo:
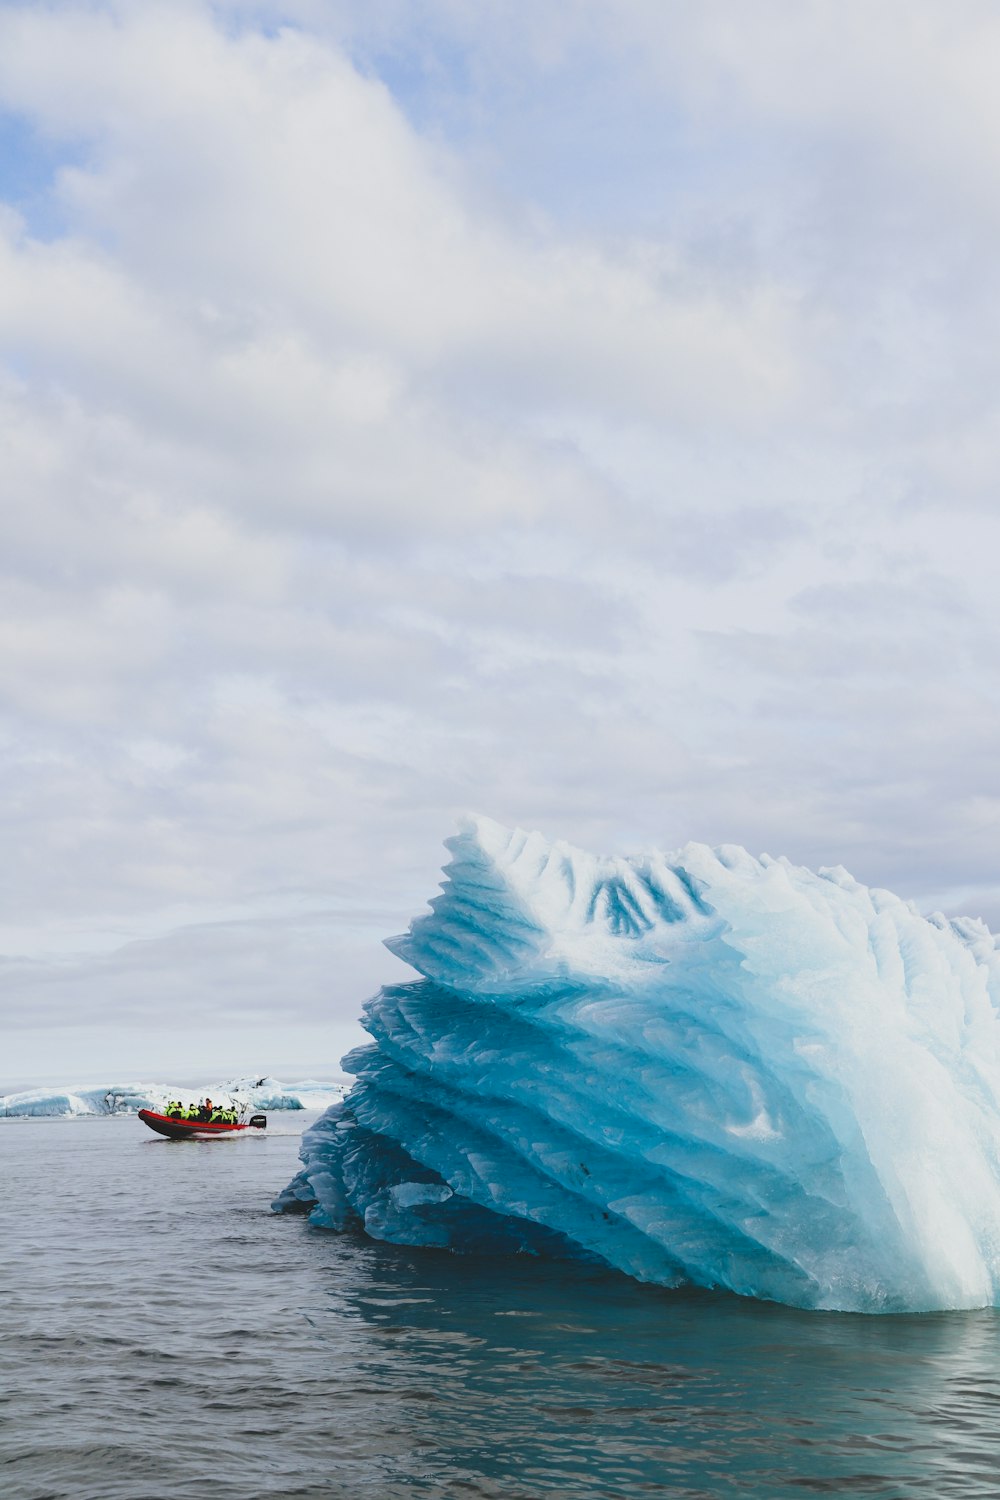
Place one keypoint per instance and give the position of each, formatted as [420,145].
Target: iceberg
[127,1098]
[698,1068]
[270,1094]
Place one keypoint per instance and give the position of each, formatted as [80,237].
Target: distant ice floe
[698,1067]
[126,1098]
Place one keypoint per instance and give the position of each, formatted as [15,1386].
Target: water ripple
[163,1332]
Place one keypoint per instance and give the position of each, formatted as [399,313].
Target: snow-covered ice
[126,1098]
[698,1067]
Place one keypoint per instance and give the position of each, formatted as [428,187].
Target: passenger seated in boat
[174,1110]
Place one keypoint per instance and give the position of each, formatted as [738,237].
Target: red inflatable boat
[179,1130]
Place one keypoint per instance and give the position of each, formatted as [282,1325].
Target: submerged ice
[699,1067]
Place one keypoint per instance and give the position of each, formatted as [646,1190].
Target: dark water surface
[163,1336]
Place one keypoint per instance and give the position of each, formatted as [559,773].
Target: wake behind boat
[178,1128]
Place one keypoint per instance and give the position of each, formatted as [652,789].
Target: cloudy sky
[584,412]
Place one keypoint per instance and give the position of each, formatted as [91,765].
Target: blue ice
[699,1068]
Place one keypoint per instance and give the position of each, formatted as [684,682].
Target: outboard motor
[258,1122]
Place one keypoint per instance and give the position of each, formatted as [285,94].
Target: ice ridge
[126,1098]
[698,1067]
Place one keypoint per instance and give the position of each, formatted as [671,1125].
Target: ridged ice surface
[696,1067]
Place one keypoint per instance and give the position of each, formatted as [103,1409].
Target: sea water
[165,1335]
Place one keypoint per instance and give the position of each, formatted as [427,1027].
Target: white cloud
[590,420]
